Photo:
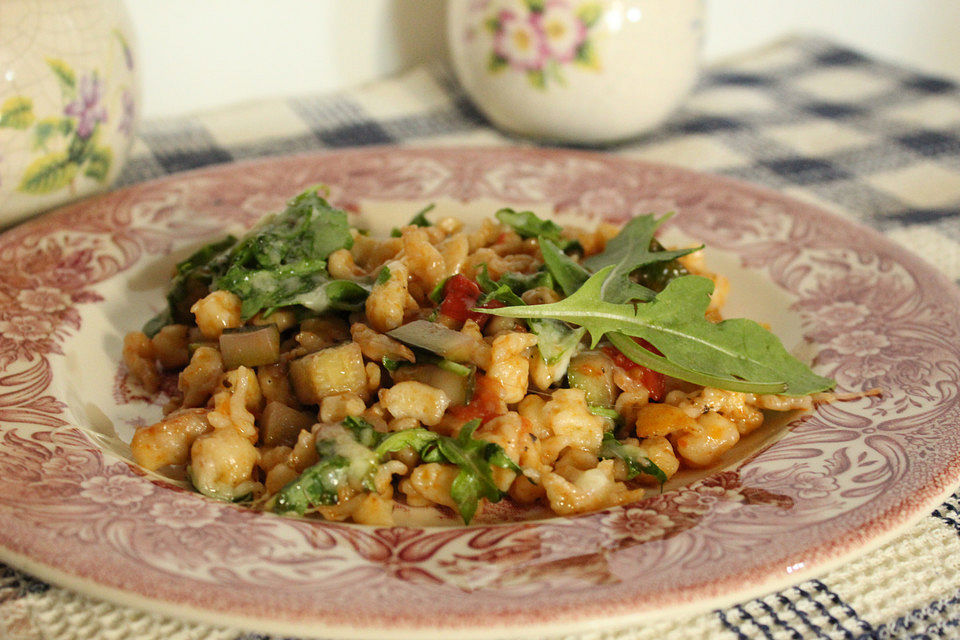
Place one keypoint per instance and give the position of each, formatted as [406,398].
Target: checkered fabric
[868,140]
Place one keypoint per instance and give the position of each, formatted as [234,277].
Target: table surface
[867,140]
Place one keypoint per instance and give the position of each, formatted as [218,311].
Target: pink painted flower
[861,343]
[184,511]
[604,202]
[562,31]
[43,299]
[129,113]
[519,42]
[843,314]
[700,501]
[118,490]
[86,108]
[638,524]
[23,328]
[811,485]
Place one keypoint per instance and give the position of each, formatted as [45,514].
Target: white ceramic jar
[576,71]
[68,101]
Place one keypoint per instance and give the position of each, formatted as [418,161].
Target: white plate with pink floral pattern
[805,496]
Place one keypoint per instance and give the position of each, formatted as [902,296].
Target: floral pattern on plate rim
[849,474]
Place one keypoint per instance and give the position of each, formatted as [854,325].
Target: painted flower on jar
[86,108]
[562,31]
[543,39]
[518,42]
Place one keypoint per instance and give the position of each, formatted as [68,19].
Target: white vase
[68,101]
[576,71]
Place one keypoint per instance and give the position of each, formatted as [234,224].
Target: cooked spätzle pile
[391,385]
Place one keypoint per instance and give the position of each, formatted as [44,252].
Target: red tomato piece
[652,380]
[485,404]
[460,295]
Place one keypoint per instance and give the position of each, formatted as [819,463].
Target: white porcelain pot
[68,101]
[576,71]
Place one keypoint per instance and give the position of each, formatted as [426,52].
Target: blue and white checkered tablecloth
[868,140]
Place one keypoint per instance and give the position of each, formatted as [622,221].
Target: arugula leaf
[518,283]
[308,229]
[528,225]
[419,220]
[383,275]
[362,431]
[606,413]
[567,273]
[734,351]
[657,275]
[474,457]
[417,439]
[190,283]
[282,261]
[632,248]
[521,282]
[637,463]
[318,485]
[647,358]
[436,294]
[306,283]
[352,452]
[339,295]
[555,340]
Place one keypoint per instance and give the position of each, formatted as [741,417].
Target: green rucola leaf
[567,273]
[99,160]
[736,350]
[420,219]
[48,173]
[634,247]
[636,462]
[416,439]
[474,457]
[16,112]
[628,347]
[64,72]
[527,224]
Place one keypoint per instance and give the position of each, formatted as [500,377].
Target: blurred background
[202,55]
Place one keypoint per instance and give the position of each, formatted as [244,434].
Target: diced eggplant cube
[280,424]
[250,347]
[328,372]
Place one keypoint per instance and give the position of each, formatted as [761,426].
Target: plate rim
[840,554]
